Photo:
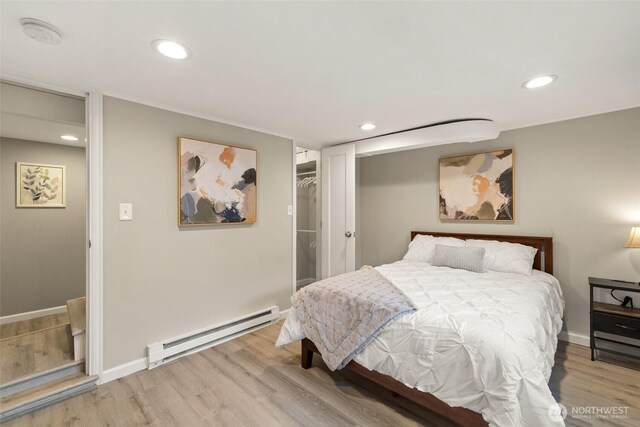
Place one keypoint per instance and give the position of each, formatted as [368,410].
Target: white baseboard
[283,314]
[32,314]
[123,370]
[573,338]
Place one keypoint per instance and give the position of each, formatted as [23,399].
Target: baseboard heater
[166,351]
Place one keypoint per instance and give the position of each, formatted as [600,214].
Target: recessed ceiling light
[539,81]
[171,49]
[41,31]
[69,137]
[367,126]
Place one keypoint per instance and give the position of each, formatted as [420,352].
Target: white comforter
[484,341]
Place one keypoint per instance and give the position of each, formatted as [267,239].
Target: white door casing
[338,210]
[94,197]
[95,255]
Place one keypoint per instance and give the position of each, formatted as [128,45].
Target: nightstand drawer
[618,325]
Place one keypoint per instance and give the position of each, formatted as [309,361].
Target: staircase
[77,309]
[37,391]
[42,388]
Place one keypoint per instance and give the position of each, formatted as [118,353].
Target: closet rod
[305,173]
[306,231]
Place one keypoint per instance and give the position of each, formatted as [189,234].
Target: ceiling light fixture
[41,31]
[171,49]
[367,126]
[69,137]
[539,81]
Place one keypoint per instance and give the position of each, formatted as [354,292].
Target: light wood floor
[22,327]
[249,382]
[578,382]
[34,352]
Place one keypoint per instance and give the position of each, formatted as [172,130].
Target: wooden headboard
[544,245]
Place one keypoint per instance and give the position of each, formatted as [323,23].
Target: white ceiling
[315,71]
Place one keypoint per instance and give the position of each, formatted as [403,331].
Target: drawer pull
[626,327]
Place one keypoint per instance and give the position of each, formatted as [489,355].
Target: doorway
[307,218]
[43,250]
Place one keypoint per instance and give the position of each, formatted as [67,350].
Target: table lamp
[634,238]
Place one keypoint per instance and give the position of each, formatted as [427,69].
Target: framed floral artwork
[40,186]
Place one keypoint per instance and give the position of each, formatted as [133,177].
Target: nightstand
[613,319]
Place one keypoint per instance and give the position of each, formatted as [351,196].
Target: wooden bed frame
[460,416]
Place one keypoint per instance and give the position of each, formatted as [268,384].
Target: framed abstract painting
[217,183]
[40,186]
[477,187]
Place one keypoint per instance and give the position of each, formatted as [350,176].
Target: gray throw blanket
[342,314]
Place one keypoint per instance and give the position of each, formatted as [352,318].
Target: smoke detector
[41,31]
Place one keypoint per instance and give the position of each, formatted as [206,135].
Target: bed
[484,343]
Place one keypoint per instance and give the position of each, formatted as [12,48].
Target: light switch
[289,210]
[126,211]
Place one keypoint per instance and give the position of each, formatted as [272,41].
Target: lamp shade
[634,238]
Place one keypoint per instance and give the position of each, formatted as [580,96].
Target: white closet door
[338,210]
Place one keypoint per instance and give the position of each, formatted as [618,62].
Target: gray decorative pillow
[468,258]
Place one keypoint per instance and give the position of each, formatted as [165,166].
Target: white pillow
[467,258]
[422,246]
[506,257]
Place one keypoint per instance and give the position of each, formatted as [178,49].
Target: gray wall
[42,250]
[577,181]
[161,281]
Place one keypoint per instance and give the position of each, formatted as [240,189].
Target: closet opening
[307,218]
